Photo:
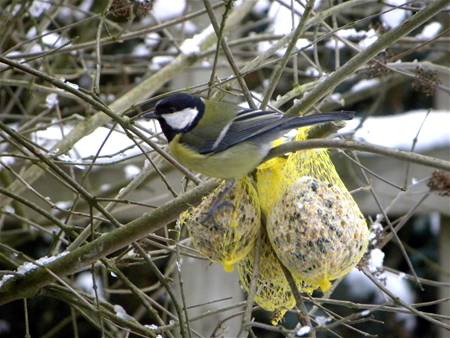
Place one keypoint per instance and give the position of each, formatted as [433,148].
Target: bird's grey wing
[249,125]
[246,125]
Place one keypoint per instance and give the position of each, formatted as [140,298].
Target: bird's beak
[150,115]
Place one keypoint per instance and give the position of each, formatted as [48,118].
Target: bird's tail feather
[303,121]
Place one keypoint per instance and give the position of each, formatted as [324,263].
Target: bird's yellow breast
[234,162]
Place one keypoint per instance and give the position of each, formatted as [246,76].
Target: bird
[222,140]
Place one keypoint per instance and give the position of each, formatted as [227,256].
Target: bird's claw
[219,204]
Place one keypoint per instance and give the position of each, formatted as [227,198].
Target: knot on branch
[426,81]
[440,182]
[126,8]
[378,67]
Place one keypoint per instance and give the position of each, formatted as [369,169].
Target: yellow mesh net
[313,222]
[270,183]
[317,232]
[275,176]
[272,290]
[312,162]
[226,234]
[313,225]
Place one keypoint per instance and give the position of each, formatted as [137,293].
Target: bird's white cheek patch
[181,119]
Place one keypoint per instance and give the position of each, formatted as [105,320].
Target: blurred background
[127,54]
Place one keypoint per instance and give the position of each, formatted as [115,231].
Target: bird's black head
[178,113]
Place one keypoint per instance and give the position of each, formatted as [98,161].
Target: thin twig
[278,71]
[243,333]
[397,300]
[229,55]
[303,312]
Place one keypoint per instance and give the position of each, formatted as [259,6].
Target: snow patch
[38,7]
[54,40]
[303,331]
[370,38]
[51,100]
[364,84]
[121,313]
[311,71]
[365,38]
[337,97]
[435,223]
[152,39]
[5,279]
[261,7]
[280,14]
[376,258]
[131,171]
[322,320]
[85,282]
[160,61]
[163,11]
[401,289]
[118,145]
[71,84]
[391,17]
[361,289]
[140,50]
[430,31]
[64,204]
[365,313]
[399,131]
[6,160]
[192,46]
[29,266]
[152,327]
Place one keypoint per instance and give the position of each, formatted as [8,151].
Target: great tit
[223,140]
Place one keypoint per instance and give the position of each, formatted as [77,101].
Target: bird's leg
[219,203]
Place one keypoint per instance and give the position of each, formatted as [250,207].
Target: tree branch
[384,41]
[359,146]
[28,284]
